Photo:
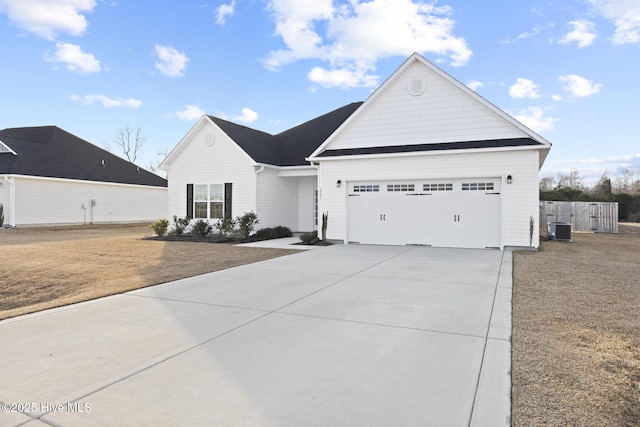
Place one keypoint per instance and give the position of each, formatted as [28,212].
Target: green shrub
[180,224]
[201,228]
[274,232]
[1,215]
[246,223]
[266,233]
[226,225]
[159,226]
[309,237]
[283,231]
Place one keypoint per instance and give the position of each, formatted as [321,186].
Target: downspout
[318,180]
[255,188]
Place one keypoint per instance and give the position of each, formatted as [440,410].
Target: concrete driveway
[344,335]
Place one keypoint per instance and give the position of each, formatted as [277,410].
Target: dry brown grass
[49,267]
[576,332]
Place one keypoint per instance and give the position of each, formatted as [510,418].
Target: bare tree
[106,145]
[130,141]
[153,165]
[547,183]
[572,181]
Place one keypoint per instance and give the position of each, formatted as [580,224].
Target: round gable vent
[209,139]
[417,87]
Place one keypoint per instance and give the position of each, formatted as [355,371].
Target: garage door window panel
[401,187]
[477,186]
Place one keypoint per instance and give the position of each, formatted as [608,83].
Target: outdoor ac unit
[559,231]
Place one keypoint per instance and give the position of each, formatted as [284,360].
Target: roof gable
[419,105]
[48,151]
[288,148]
[6,149]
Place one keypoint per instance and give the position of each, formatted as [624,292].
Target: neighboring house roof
[291,147]
[48,151]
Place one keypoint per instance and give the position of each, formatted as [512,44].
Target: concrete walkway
[344,335]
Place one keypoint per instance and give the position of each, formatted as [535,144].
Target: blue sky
[565,69]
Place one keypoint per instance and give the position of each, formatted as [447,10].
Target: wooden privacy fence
[597,217]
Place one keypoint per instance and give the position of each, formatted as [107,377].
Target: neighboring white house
[423,161]
[51,177]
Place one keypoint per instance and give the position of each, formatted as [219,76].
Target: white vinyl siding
[443,113]
[5,199]
[40,201]
[277,200]
[306,203]
[221,162]
[519,199]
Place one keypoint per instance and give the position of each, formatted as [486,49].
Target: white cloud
[475,85]
[524,88]
[352,36]
[74,59]
[106,101]
[582,33]
[190,113]
[579,87]
[247,116]
[535,31]
[625,15]
[47,18]
[170,62]
[344,78]
[225,10]
[535,119]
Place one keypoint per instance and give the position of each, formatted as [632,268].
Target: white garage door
[445,213]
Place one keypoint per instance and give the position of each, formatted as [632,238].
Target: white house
[51,177]
[423,161]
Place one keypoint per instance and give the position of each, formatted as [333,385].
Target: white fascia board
[294,171]
[81,181]
[426,153]
[289,171]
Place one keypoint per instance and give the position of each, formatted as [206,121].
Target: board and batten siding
[53,201]
[200,162]
[519,199]
[277,199]
[443,113]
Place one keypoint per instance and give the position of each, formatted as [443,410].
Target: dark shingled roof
[494,143]
[49,151]
[291,147]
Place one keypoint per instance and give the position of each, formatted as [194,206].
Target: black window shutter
[228,197]
[189,200]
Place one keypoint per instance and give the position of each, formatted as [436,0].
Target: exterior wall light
[509,179]
[338,183]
